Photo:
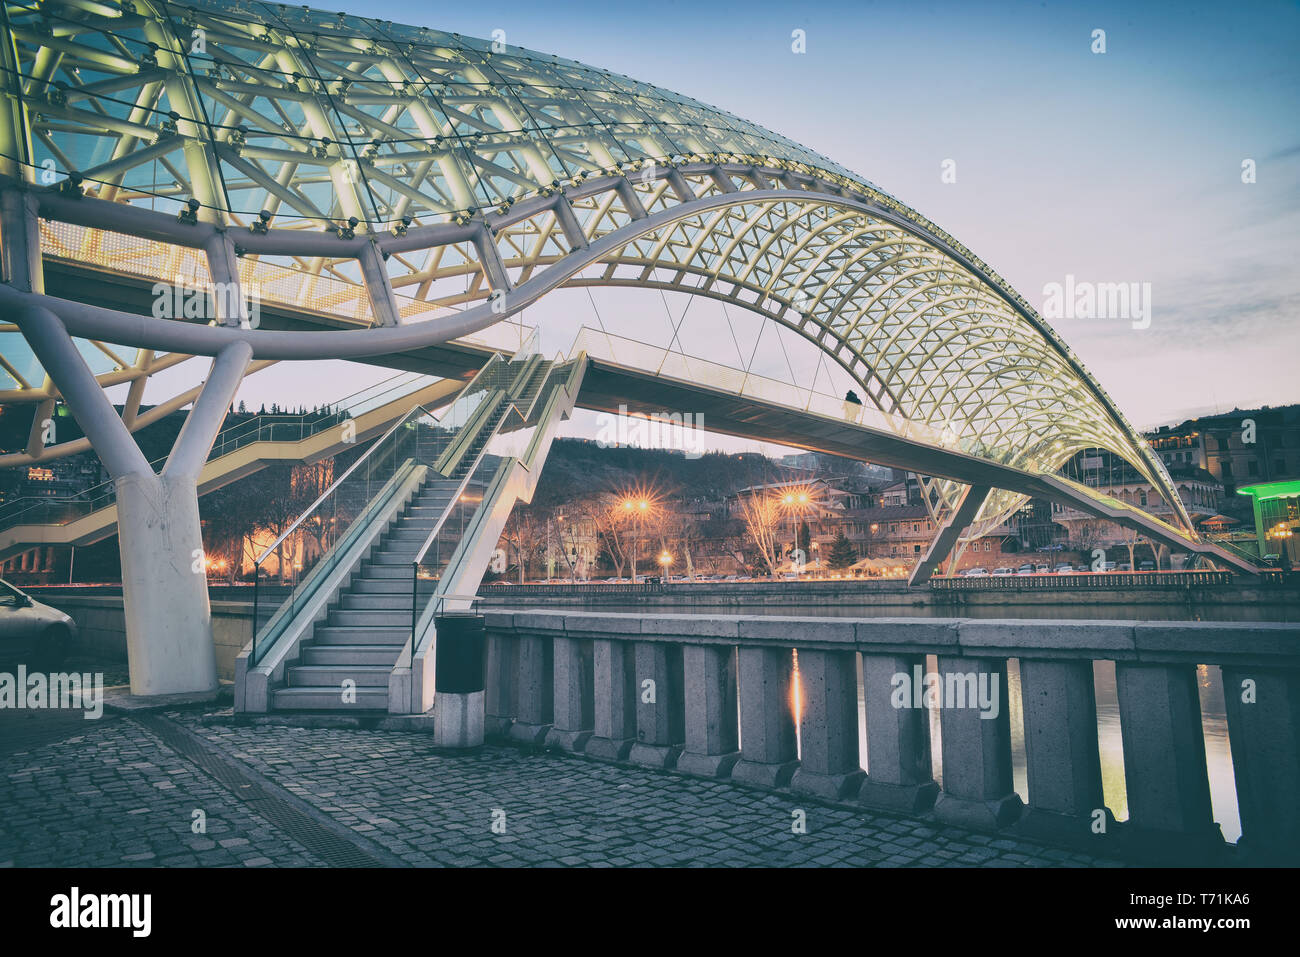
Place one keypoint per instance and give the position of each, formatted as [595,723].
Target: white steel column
[164,575]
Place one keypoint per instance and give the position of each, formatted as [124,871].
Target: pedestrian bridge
[335,187]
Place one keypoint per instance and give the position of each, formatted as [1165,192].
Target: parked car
[1042,569]
[1125,567]
[1146,566]
[1025,569]
[1065,568]
[31,630]
[1003,572]
[975,573]
[1108,567]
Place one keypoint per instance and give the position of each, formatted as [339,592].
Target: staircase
[369,621]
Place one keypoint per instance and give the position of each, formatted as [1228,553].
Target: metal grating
[330,847]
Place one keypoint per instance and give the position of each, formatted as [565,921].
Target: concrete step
[328,699]
[403,535]
[385,655]
[444,492]
[324,676]
[385,586]
[373,572]
[362,634]
[390,602]
[423,524]
[402,555]
[392,619]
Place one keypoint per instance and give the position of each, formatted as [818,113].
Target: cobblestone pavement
[113,794]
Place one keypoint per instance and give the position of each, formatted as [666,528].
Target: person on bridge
[852,405]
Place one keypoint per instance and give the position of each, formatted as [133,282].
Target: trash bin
[460,656]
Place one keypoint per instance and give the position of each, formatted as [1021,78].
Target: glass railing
[264,427]
[314,545]
[524,378]
[311,547]
[1119,505]
[664,363]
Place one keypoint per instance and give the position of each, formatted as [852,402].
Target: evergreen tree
[841,555]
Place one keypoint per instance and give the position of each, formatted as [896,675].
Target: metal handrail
[311,580]
[335,484]
[469,473]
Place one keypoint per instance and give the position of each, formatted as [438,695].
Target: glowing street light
[637,507]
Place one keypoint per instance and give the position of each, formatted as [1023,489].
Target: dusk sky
[1117,167]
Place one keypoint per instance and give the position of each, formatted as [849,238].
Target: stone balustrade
[716,696]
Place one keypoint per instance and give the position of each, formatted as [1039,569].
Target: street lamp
[637,510]
[665,561]
[817,558]
[795,502]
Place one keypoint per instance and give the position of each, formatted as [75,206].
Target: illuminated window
[40,475]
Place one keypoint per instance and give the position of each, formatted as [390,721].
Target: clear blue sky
[1124,166]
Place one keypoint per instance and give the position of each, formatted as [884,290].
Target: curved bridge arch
[391,158]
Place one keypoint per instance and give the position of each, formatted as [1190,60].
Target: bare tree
[524,535]
[761,514]
[677,534]
[609,523]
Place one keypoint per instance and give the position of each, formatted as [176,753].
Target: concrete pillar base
[707,765]
[611,749]
[1176,848]
[458,720]
[908,798]
[760,772]
[1069,830]
[531,734]
[574,741]
[164,586]
[978,815]
[655,755]
[1267,853]
[497,726]
[833,787]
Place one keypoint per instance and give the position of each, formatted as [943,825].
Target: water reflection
[1214,723]
[1218,757]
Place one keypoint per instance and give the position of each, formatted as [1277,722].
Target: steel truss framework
[424,186]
